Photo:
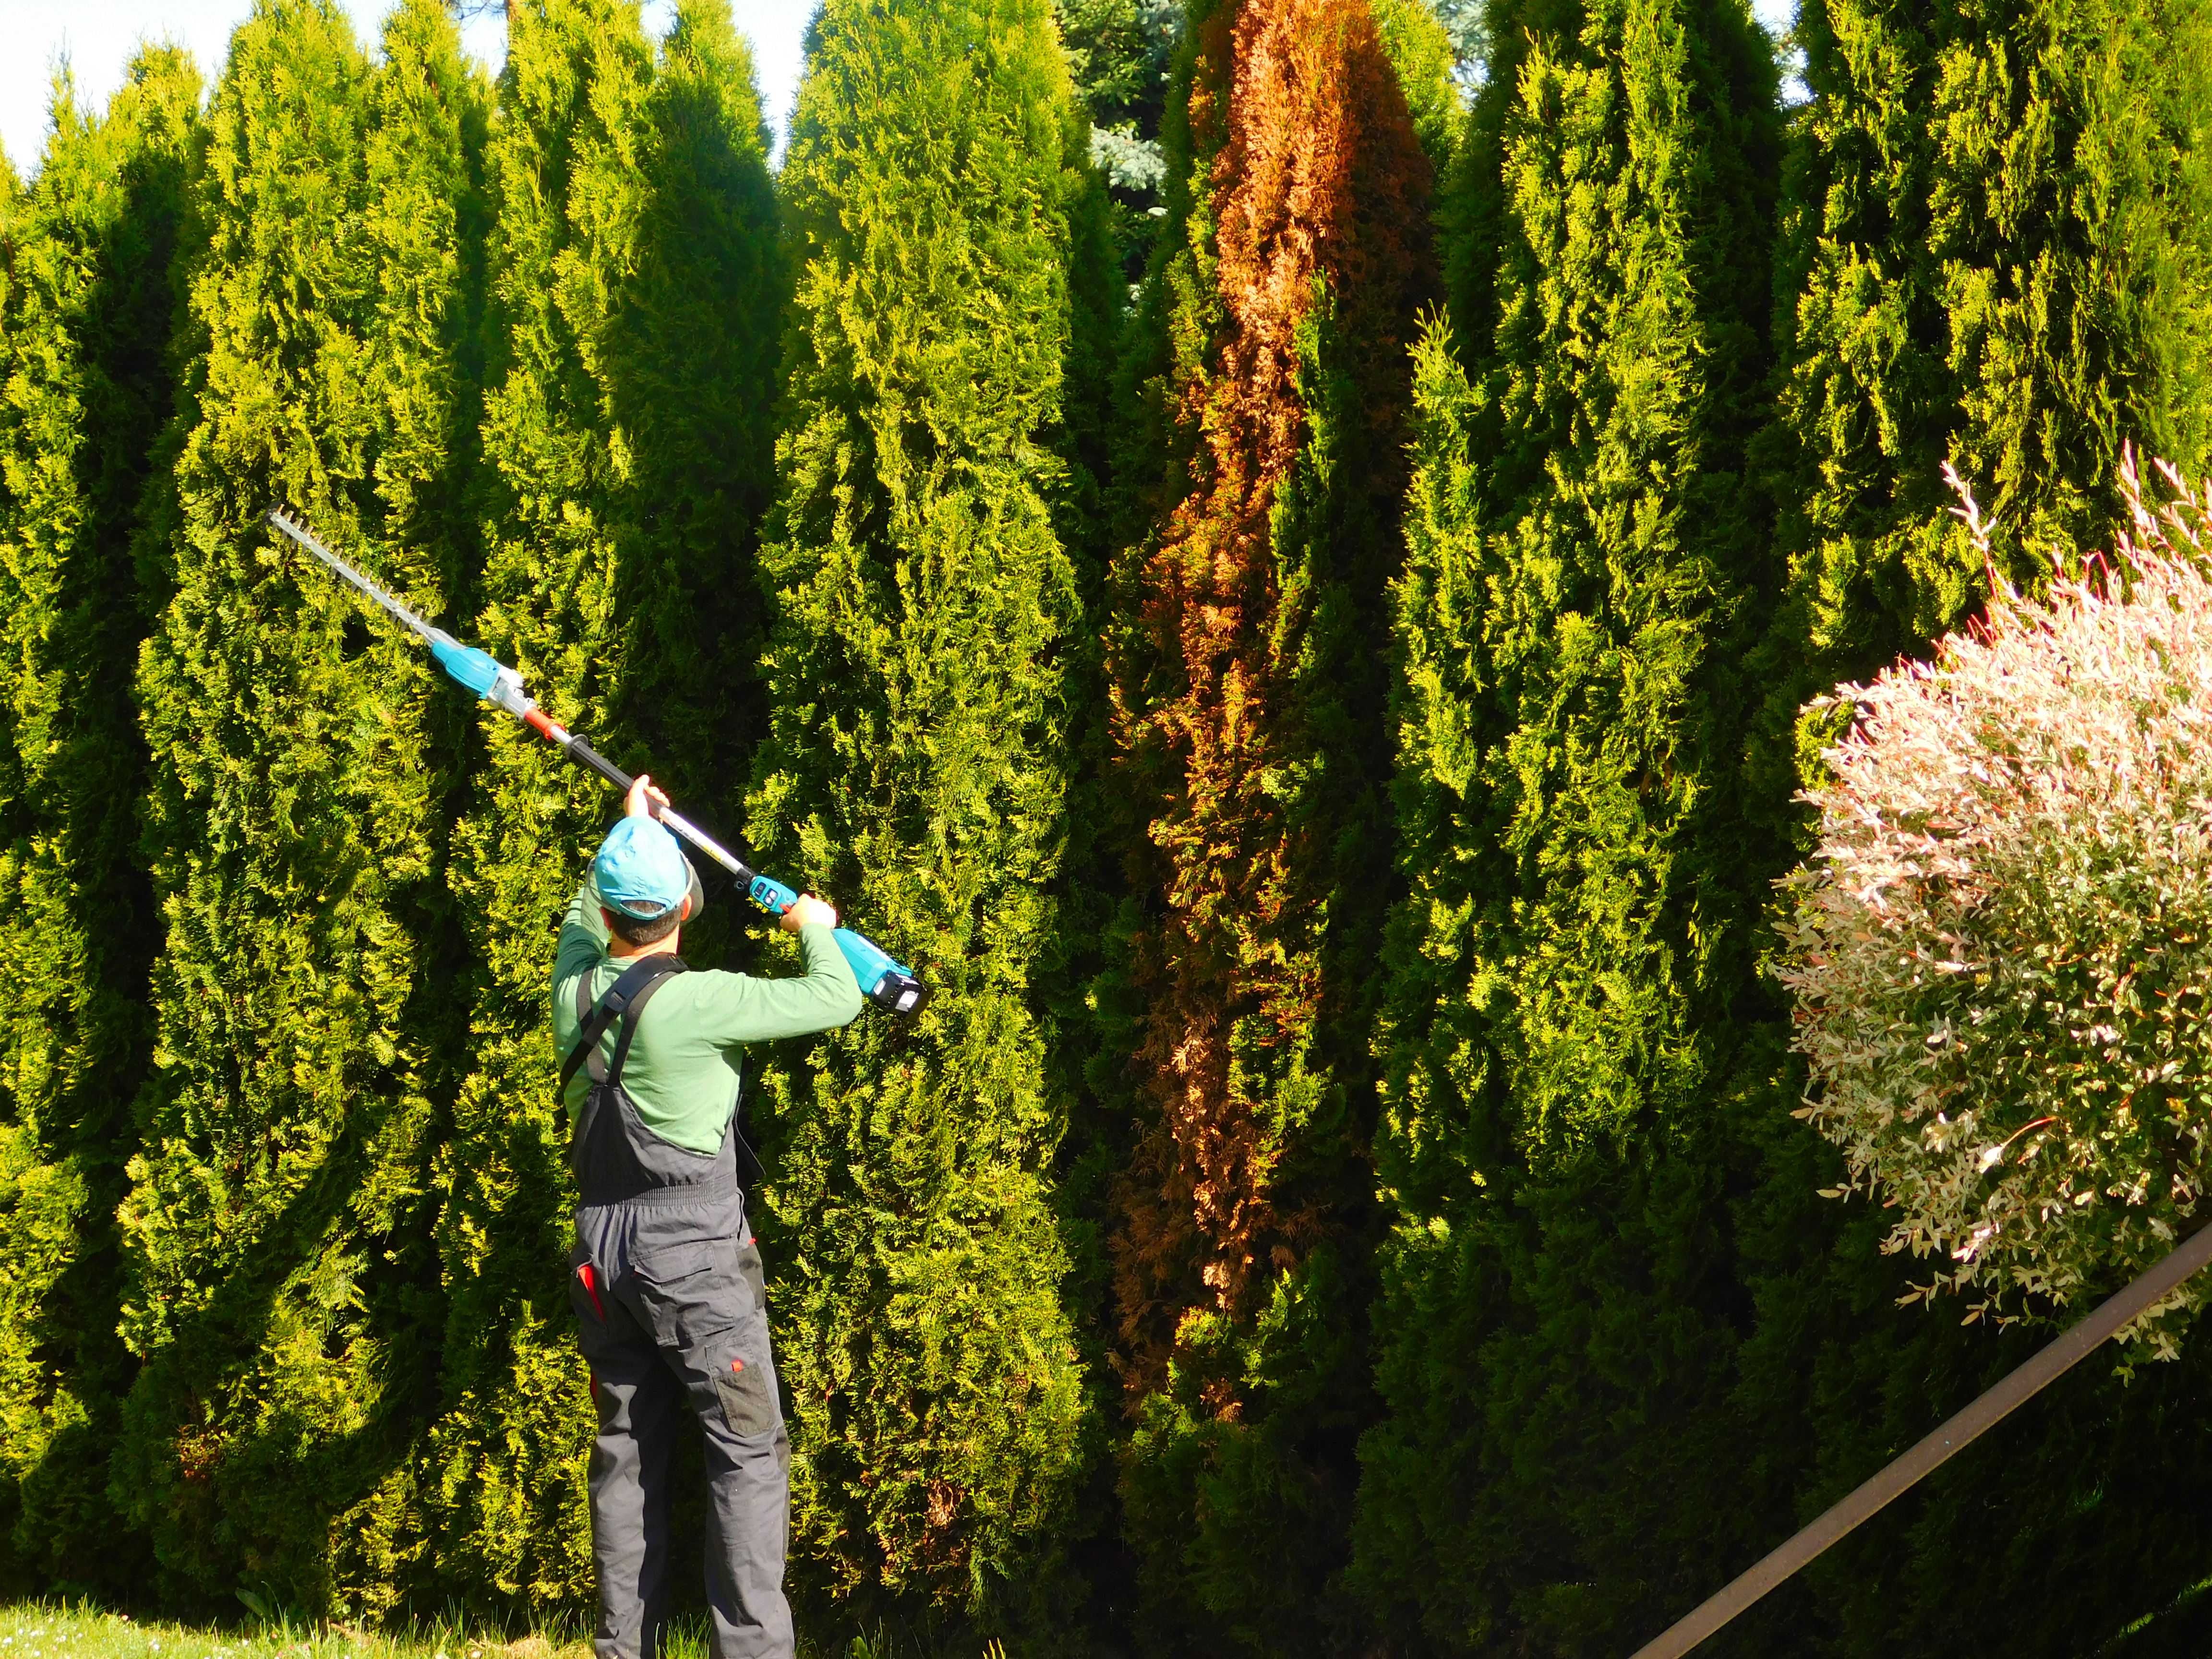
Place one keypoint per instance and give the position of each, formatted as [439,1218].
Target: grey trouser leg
[749,1518]
[684,1300]
[637,1401]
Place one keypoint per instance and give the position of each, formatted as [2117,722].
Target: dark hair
[631,931]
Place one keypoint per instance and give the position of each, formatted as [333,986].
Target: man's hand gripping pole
[884,982]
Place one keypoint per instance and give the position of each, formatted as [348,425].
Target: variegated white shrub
[2001,950]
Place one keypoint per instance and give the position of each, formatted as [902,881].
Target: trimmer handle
[884,982]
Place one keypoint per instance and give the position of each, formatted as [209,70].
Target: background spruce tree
[637,297]
[927,611]
[93,266]
[1120,55]
[1994,249]
[1572,1004]
[282,1297]
[1270,375]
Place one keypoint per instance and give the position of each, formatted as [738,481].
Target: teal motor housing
[473,668]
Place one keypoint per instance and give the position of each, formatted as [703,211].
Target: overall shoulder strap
[676,965]
[626,995]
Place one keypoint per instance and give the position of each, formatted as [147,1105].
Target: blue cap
[640,872]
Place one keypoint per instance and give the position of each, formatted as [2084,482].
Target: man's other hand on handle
[807,908]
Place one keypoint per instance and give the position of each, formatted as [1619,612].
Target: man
[664,1278]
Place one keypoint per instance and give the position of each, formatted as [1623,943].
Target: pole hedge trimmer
[884,982]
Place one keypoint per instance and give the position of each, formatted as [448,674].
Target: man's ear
[684,914]
[608,917]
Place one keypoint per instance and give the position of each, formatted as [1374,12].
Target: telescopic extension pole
[886,983]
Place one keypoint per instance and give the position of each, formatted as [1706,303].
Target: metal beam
[2015,1390]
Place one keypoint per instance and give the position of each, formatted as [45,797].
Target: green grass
[49,1630]
[55,1631]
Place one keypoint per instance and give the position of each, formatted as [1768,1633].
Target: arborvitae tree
[1418,38]
[693,364]
[916,770]
[94,265]
[1572,1001]
[1994,248]
[282,1294]
[637,301]
[1249,700]
[1122,56]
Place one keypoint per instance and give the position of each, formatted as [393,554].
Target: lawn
[47,1630]
[52,1631]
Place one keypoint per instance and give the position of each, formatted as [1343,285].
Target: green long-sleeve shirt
[682,1073]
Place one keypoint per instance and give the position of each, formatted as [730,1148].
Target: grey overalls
[667,1289]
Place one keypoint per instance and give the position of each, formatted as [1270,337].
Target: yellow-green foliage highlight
[276,1227]
[916,769]
[1996,236]
[93,255]
[636,294]
[1570,1002]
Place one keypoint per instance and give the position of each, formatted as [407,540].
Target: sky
[97,36]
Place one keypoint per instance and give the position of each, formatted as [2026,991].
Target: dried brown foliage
[1233,692]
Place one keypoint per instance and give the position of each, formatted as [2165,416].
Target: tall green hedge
[1250,760]
[282,1298]
[1995,245]
[1571,1003]
[636,297]
[1277,816]
[916,769]
[92,289]
[1993,238]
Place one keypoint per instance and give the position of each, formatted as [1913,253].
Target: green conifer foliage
[1571,999]
[1418,37]
[1119,54]
[1996,242]
[281,1294]
[636,303]
[1994,246]
[91,300]
[1248,712]
[915,770]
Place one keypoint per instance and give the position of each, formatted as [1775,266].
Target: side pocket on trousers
[747,1398]
[750,1269]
